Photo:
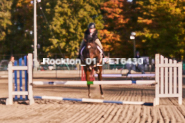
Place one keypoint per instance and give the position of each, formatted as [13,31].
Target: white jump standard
[29,92]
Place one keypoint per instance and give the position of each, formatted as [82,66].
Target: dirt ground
[49,111]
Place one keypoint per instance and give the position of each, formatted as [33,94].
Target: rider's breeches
[97,41]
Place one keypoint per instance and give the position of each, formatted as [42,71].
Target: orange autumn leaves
[113,19]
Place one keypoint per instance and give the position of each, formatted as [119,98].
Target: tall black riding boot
[79,54]
[103,53]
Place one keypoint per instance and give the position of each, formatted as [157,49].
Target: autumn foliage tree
[163,27]
[159,26]
[19,40]
[115,35]
[5,23]
[71,18]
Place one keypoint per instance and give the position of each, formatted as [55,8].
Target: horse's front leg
[87,79]
[97,68]
[100,78]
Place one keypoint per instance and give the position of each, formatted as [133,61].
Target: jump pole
[109,75]
[92,100]
[123,82]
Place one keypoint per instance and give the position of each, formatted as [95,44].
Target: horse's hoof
[98,71]
[102,96]
[89,95]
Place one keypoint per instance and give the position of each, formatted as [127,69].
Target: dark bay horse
[91,51]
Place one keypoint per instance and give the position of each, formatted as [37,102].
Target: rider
[91,34]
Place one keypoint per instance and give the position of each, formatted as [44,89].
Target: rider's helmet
[91,26]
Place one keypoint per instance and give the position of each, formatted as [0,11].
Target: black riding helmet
[91,26]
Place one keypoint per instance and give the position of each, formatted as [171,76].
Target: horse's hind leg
[101,91]
[89,93]
[100,78]
[87,79]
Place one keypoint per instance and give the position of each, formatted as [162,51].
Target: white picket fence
[168,76]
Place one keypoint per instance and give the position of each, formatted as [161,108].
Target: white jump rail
[114,82]
[141,75]
[109,75]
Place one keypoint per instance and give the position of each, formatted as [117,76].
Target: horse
[91,51]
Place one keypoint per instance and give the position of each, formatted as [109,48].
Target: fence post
[20,78]
[9,100]
[156,99]
[30,79]
[180,83]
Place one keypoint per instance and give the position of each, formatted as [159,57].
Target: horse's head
[91,51]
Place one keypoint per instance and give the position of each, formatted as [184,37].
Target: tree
[115,35]
[5,22]
[163,27]
[159,26]
[70,21]
[19,39]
